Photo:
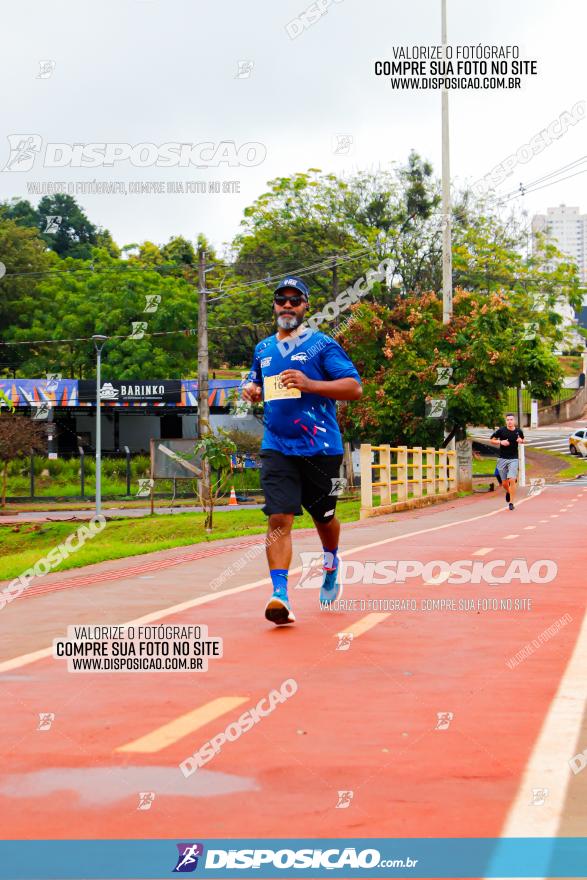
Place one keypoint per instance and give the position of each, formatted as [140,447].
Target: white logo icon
[52,224]
[146,799]
[312,572]
[343,144]
[41,411]
[338,485]
[23,151]
[152,302]
[537,484]
[46,68]
[145,486]
[435,409]
[244,69]
[444,719]
[108,391]
[138,329]
[443,375]
[344,799]
[539,796]
[46,719]
[344,641]
[53,380]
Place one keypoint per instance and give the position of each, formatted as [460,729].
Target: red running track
[362,720]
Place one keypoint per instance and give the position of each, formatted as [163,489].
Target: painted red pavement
[362,720]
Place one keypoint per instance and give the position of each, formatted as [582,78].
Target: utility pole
[335,284]
[203,407]
[446,207]
[99,342]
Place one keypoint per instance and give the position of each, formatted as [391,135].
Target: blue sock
[279,580]
[330,558]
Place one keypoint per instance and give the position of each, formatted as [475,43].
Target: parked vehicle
[578,443]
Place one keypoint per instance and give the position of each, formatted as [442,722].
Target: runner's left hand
[296,379]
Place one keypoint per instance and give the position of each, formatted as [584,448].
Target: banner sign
[131,391]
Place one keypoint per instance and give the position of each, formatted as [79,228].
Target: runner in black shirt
[508,439]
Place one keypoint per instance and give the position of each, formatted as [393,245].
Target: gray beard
[287,322]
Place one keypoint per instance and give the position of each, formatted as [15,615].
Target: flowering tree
[493,342]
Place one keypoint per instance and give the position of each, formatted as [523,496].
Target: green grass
[571,365]
[22,546]
[575,466]
[63,481]
[512,398]
[483,466]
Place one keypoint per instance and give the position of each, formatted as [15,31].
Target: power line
[188,331]
[256,284]
[544,177]
[533,185]
[537,188]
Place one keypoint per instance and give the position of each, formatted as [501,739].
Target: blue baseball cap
[295,284]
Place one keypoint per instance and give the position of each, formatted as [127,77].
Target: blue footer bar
[276,858]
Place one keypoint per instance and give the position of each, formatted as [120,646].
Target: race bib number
[274,389]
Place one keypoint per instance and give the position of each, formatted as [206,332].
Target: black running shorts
[291,482]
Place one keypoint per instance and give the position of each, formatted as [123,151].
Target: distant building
[566,227]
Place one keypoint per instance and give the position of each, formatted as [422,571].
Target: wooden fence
[405,477]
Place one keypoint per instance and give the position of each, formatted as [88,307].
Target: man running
[300,373]
[508,439]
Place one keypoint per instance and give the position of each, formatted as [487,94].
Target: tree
[109,296]
[18,435]
[215,451]
[20,211]
[330,230]
[72,235]
[21,300]
[398,351]
[179,251]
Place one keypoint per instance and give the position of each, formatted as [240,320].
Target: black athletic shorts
[291,482]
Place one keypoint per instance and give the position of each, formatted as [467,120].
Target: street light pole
[446,207]
[99,342]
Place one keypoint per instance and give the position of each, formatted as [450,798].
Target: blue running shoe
[277,609]
[331,588]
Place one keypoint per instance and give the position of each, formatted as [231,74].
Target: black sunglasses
[281,299]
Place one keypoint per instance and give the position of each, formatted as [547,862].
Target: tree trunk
[4,482]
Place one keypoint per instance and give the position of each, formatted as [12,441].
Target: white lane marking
[548,765]
[25,659]
[527,528]
[510,537]
[482,551]
[439,579]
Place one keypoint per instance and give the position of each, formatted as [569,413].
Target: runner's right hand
[252,392]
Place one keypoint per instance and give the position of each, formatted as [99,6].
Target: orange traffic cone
[233,502]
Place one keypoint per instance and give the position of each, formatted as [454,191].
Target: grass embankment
[23,545]
[575,466]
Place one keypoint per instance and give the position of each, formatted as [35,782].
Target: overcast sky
[148,71]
